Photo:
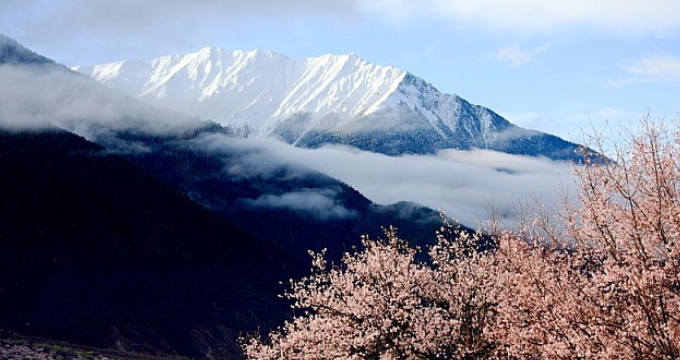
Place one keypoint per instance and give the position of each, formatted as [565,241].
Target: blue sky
[555,66]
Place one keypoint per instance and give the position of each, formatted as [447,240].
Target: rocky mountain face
[328,99]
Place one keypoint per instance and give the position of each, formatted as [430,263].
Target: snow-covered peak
[330,98]
[256,89]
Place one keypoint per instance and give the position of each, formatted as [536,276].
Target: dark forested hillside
[11,52]
[95,251]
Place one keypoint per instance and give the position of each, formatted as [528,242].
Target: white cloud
[109,30]
[462,183]
[657,67]
[321,204]
[62,19]
[650,69]
[621,16]
[516,56]
[142,21]
[37,97]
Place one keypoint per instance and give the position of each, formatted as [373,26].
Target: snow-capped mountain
[328,99]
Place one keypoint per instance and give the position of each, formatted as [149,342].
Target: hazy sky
[554,66]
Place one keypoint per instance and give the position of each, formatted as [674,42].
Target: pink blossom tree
[383,304]
[604,281]
[600,279]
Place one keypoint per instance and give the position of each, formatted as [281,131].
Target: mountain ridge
[12,52]
[326,99]
[290,97]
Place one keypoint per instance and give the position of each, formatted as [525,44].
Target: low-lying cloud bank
[320,204]
[466,185]
[34,97]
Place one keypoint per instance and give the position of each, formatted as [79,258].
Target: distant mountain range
[122,226]
[331,99]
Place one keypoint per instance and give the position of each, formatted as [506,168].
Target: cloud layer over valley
[466,185]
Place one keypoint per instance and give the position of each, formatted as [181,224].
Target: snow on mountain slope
[257,88]
[327,99]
